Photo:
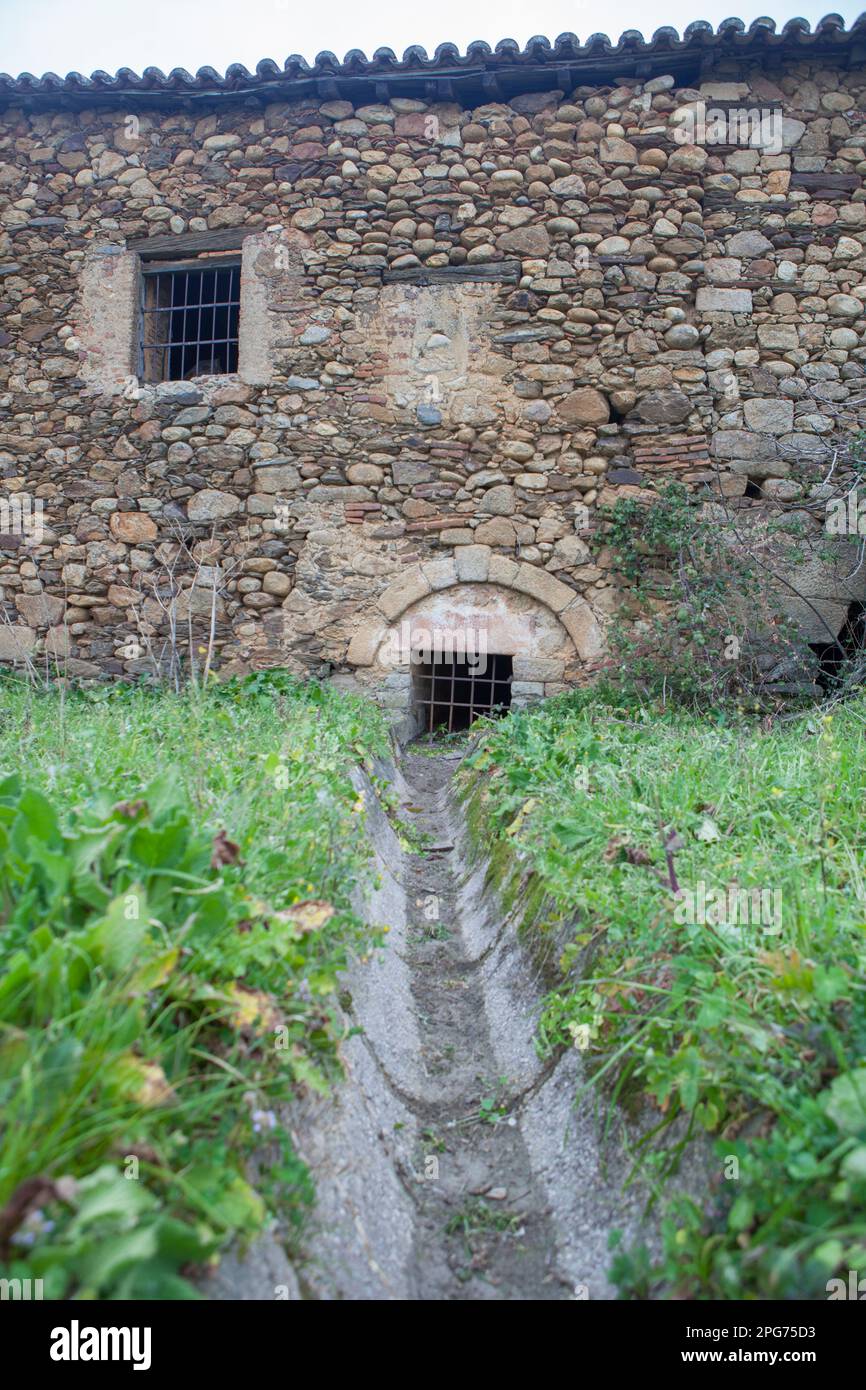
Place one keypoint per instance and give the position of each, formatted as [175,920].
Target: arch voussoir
[477,564]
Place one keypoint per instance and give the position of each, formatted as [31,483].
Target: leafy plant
[169,956]
[752,1038]
[702,625]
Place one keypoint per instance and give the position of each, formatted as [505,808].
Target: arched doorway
[502,633]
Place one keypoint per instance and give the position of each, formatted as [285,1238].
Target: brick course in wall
[463,330]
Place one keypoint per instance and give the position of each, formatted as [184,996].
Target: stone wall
[462,332]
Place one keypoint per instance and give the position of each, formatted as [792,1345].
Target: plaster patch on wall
[439,359]
[107,319]
[272,276]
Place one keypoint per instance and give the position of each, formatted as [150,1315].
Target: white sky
[82,35]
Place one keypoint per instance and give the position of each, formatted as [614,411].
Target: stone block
[583,628]
[818,620]
[502,570]
[713,299]
[40,610]
[402,594]
[365,643]
[743,445]
[132,527]
[212,505]
[456,535]
[473,564]
[440,574]
[277,475]
[275,582]
[498,531]
[393,699]
[584,407]
[499,501]
[722,270]
[16,642]
[542,586]
[122,596]
[773,416]
[524,692]
[664,407]
[409,472]
[537,668]
[779,337]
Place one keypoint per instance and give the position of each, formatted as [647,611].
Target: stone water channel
[451,1164]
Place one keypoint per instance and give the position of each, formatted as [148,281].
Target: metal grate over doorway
[452,694]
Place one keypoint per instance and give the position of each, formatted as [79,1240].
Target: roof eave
[482,74]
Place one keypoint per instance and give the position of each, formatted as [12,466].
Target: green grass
[176,876]
[477,1217]
[752,1038]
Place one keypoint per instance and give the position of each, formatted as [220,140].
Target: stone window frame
[109,307]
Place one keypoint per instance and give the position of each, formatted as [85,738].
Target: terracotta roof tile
[531,68]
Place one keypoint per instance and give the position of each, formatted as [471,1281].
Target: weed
[169,955]
[476,1217]
[748,1031]
[493,1108]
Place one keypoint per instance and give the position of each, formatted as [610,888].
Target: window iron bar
[453,694]
[189,321]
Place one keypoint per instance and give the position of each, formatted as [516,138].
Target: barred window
[189,319]
[452,694]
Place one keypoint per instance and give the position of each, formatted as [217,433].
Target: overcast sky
[82,35]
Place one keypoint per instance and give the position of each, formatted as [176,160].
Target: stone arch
[477,564]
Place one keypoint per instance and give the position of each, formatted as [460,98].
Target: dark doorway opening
[834,657]
[452,694]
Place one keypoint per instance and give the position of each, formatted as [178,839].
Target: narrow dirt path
[482,1229]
